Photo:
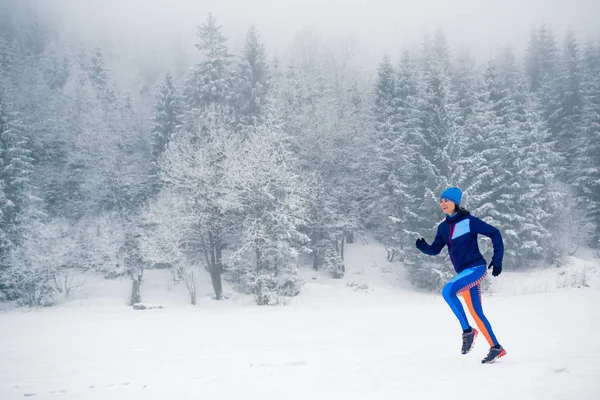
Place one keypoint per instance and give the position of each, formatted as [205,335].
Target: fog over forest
[238,141]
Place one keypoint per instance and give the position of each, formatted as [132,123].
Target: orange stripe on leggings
[467,296]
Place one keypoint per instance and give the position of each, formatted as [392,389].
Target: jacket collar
[456,217]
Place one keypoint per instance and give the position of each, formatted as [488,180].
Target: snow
[339,339]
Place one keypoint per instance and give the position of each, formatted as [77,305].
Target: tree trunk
[215,247]
[349,237]
[215,277]
[391,253]
[218,248]
[136,282]
[213,262]
[258,259]
[342,245]
[316,254]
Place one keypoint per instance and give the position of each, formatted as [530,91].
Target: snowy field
[368,336]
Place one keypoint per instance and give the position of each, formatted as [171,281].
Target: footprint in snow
[296,363]
[561,370]
[115,384]
[288,364]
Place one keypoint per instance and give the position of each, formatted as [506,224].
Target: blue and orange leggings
[468,283]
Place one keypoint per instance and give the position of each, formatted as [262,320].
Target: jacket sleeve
[483,228]
[435,247]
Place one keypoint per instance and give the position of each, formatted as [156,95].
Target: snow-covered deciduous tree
[570,227]
[193,168]
[267,203]
[131,257]
[165,241]
[99,238]
[45,264]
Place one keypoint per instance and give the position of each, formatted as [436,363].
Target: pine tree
[254,80]
[97,71]
[16,168]
[76,134]
[570,112]
[19,206]
[482,140]
[211,81]
[56,66]
[518,196]
[167,117]
[588,150]
[394,165]
[542,61]
[463,82]
[433,165]
[385,92]
[437,115]
[534,175]
[385,118]
[7,57]
[313,111]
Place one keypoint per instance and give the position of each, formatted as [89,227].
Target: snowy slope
[338,340]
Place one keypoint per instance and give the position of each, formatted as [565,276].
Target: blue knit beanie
[453,194]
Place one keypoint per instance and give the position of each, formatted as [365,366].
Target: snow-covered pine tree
[542,63]
[477,137]
[345,136]
[463,82]
[570,111]
[480,143]
[534,176]
[7,51]
[312,122]
[167,119]
[98,75]
[16,168]
[384,205]
[211,80]
[395,133]
[432,162]
[20,208]
[254,80]
[588,149]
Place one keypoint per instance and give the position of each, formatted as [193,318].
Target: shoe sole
[472,343]
[493,360]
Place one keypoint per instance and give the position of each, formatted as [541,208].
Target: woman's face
[447,206]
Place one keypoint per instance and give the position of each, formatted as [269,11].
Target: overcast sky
[378,25]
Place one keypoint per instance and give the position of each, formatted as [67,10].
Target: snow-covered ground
[367,336]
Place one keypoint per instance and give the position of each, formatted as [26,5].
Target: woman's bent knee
[448,291]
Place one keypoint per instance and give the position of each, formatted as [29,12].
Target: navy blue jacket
[459,232]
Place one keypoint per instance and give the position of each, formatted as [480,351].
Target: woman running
[459,232]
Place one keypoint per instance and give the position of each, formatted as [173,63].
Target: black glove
[497,268]
[420,243]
